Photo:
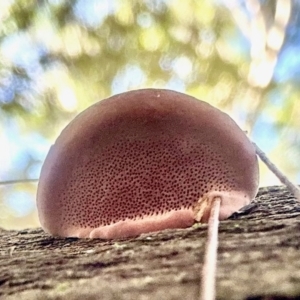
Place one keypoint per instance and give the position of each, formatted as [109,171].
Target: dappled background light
[59,57]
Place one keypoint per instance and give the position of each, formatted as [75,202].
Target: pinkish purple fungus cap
[144,161]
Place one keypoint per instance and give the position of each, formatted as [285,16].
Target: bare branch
[208,283]
[291,186]
[18,181]
[239,16]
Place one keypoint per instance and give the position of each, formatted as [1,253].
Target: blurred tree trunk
[258,258]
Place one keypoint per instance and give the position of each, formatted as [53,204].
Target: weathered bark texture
[258,258]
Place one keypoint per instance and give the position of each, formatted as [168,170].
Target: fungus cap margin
[135,114]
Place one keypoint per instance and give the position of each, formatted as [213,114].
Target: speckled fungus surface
[144,161]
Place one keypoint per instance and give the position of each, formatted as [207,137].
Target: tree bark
[258,258]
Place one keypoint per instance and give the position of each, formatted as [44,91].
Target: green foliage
[70,61]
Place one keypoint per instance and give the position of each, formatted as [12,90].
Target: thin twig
[208,283]
[17,181]
[291,186]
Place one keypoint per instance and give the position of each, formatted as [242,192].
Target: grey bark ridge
[258,258]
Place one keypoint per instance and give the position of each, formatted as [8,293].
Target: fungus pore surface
[144,161]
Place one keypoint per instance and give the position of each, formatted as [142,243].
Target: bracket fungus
[144,161]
